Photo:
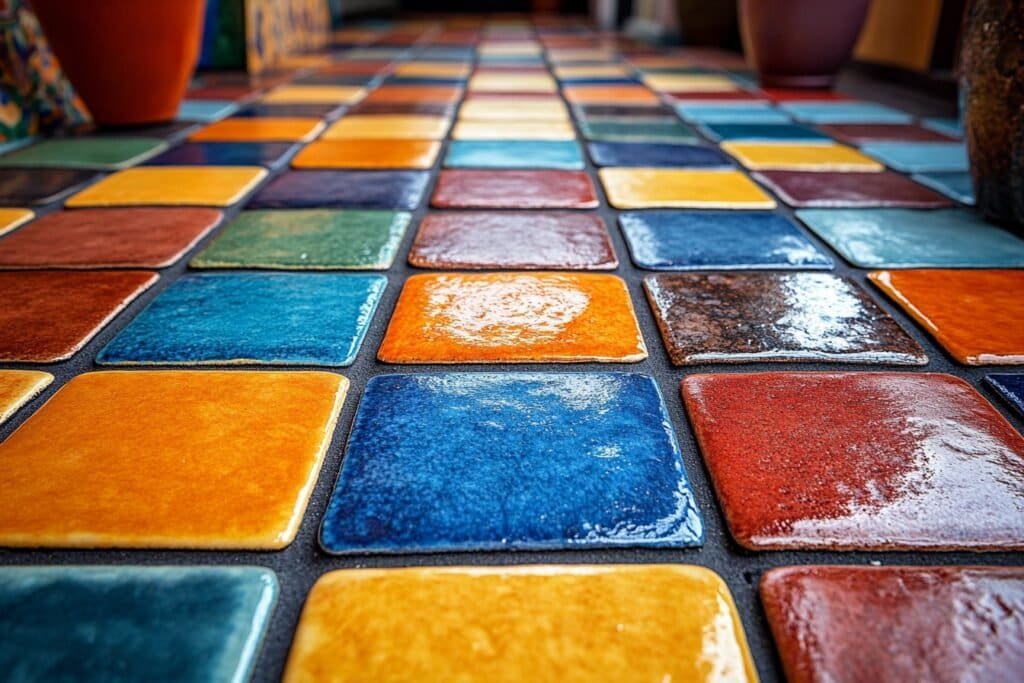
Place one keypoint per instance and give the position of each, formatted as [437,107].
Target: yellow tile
[302,61]
[172,185]
[513,130]
[12,218]
[593,71]
[513,110]
[801,157]
[314,94]
[388,127]
[689,83]
[18,387]
[491,82]
[643,188]
[169,459]
[260,129]
[432,70]
[565,623]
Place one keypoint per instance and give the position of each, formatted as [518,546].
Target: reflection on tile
[18,387]
[1010,387]
[96,153]
[543,154]
[460,189]
[656,155]
[649,188]
[343,190]
[172,186]
[850,190]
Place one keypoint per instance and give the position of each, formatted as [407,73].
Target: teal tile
[845,112]
[205,110]
[956,185]
[90,153]
[618,130]
[733,113]
[920,157]
[948,126]
[556,154]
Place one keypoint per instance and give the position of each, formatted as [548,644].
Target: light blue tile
[845,112]
[955,185]
[205,110]
[947,126]
[761,132]
[750,112]
[919,157]
[555,154]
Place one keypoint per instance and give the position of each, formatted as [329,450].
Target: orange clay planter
[130,60]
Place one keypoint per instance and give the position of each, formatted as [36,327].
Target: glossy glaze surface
[651,188]
[415,154]
[521,110]
[98,153]
[868,460]
[818,156]
[263,318]
[513,130]
[261,129]
[620,130]
[459,461]
[1010,387]
[655,154]
[169,459]
[387,127]
[13,218]
[956,185]
[850,190]
[857,133]
[920,157]
[513,317]
[122,624]
[895,624]
[613,623]
[39,186]
[544,154]
[171,185]
[314,94]
[342,190]
[776,132]
[18,387]
[439,94]
[974,314]
[459,189]
[224,154]
[512,240]
[609,94]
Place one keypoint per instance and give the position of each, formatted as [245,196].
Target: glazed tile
[439,94]
[124,623]
[656,155]
[709,83]
[850,190]
[845,112]
[618,130]
[18,387]
[947,126]
[21,187]
[800,157]
[859,461]
[519,110]
[404,108]
[224,154]
[513,82]
[172,185]
[974,314]
[904,238]
[623,111]
[259,318]
[14,218]
[764,317]
[413,154]
[1010,387]
[387,127]
[166,130]
[314,94]
[525,240]
[302,111]
[433,70]
[90,153]
[205,110]
[97,465]
[513,318]
[957,185]
[460,189]
[262,129]
[513,130]
[920,157]
[734,113]
[307,240]
[611,94]
[616,473]
[723,240]
[593,71]
[859,133]
[108,238]
[647,188]
[343,190]
[544,154]
[49,315]
[762,132]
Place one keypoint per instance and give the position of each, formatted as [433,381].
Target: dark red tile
[802,95]
[514,190]
[864,461]
[857,133]
[802,188]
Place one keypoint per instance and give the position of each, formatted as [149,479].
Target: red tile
[849,190]
[514,190]
[857,133]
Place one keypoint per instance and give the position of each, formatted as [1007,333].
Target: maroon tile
[520,240]
[857,133]
[425,108]
[867,461]
[800,188]
[847,624]
[24,186]
[514,190]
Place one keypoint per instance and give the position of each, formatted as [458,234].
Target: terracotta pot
[992,82]
[800,43]
[130,60]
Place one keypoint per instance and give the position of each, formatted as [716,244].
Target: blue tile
[514,154]
[486,461]
[224,154]
[729,240]
[125,624]
[1011,388]
[948,126]
[757,132]
[266,318]
[205,110]
[919,157]
[908,238]
[656,154]
[845,112]
[400,190]
[955,185]
[739,112]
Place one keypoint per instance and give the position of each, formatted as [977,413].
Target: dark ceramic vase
[800,43]
[992,78]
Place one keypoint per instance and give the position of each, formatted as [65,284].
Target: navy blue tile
[1011,388]
[223,154]
[655,154]
[487,461]
[312,111]
[761,132]
[343,190]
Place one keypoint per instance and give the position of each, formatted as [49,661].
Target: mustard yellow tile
[169,459]
[302,61]
[387,127]
[565,623]
[172,185]
[593,71]
[12,218]
[689,83]
[492,82]
[314,94]
[513,110]
[432,70]
[644,188]
[260,129]
[513,130]
[801,157]
[18,387]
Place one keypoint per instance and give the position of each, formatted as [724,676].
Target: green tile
[622,130]
[97,153]
[315,239]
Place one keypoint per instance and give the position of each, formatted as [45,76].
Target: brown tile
[848,190]
[856,133]
[514,190]
[437,94]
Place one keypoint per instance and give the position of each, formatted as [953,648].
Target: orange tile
[388,127]
[513,318]
[368,154]
[18,387]
[169,459]
[609,94]
[259,129]
[403,94]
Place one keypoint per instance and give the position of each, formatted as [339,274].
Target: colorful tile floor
[505,350]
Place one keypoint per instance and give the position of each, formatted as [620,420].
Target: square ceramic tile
[826,156]
[720,240]
[610,94]
[304,111]
[513,318]
[850,190]
[14,218]
[26,186]
[388,127]
[957,185]
[18,387]
[343,190]
[49,315]
[96,624]
[689,82]
[947,126]
[95,153]
[513,82]
[845,112]
[544,154]
[859,461]
[762,132]
[259,318]
[767,317]
[594,442]
[974,314]
[513,130]
[593,71]
[1010,387]
[905,238]
[108,238]
[656,155]
[169,459]
[626,623]
[920,157]
[413,154]
[205,110]
[172,185]
[307,239]
[732,113]
[459,189]
[524,240]
[859,133]
[651,188]
[631,130]
[314,94]
[432,70]
[224,154]
[519,110]
[620,111]
[262,129]
[894,624]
